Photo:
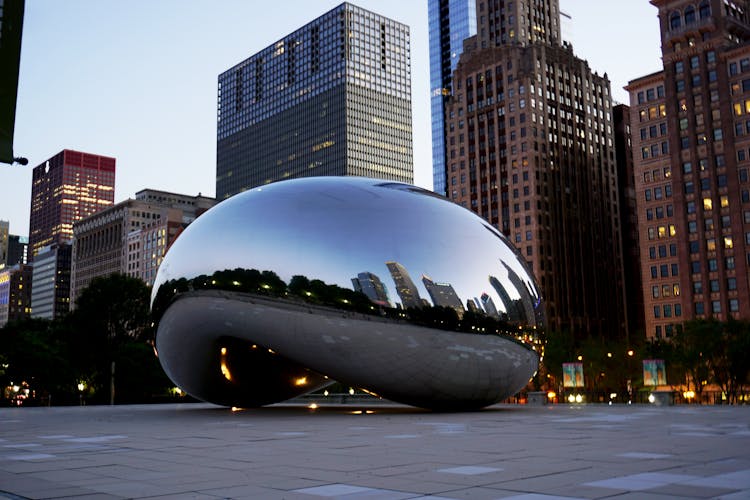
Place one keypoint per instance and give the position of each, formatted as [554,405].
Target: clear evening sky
[137,80]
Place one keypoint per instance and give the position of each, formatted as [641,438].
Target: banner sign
[654,372]
[572,374]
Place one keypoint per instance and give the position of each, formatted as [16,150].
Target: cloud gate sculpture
[285,288]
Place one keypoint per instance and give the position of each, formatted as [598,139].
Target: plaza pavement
[375,452]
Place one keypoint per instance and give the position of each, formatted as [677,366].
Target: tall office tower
[18,249]
[4,242]
[66,188]
[628,219]
[691,154]
[405,287]
[450,23]
[15,293]
[50,282]
[443,295]
[332,98]
[530,149]
[131,237]
[372,286]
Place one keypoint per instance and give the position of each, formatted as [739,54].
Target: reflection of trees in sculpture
[302,289]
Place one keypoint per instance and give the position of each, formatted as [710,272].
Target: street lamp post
[81,387]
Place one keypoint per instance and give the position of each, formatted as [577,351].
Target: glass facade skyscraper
[332,98]
[450,23]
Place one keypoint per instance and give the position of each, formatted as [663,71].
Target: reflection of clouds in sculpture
[390,256]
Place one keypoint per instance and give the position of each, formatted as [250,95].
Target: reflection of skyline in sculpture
[272,313]
[443,295]
[473,305]
[489,305]
[372,286]
[527,302]
[405,287]
[510,305]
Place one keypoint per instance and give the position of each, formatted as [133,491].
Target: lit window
[707,204]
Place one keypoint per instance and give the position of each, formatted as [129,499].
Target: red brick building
[691,154]
[530,148]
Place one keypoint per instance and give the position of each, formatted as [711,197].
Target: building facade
[131,237]
[629,220]
[18,249]
[691,155]
[50,282]
[530,144]
[450,23]
[67,188]
[332,98]
[4,242]
[15,293]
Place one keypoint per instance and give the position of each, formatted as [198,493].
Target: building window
[704,9]
[715,306]
[731,283]
[675,20]
[699,308]
[734,305]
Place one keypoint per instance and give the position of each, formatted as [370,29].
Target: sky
[137,80]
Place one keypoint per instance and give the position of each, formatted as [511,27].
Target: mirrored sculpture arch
[284,288]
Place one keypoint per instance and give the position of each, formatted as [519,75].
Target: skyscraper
[530,148]
[332,98]
[15,293]
[50,282]
[443,295]
[405,287]
[66,188]
[450,23]
[691,155]
[4,242]
[372,286]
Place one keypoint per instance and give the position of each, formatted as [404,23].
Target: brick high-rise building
[67,188]
[531,149]
[691,154]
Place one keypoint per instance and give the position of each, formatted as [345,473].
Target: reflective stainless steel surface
[279,290]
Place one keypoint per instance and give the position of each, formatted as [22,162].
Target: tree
[34,351]
[112,312]
[729,361]
[694,346]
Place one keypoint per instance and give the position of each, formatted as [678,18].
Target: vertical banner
[572,374]
[654,372]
